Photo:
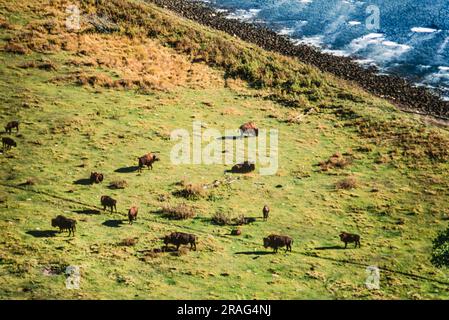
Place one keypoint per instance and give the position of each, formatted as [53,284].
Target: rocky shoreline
[394,88]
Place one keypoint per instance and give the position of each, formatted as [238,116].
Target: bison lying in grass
[180,238]
[64,223]
[275,241]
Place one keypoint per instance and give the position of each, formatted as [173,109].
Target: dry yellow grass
[138,63]
[231,112]
[145,63]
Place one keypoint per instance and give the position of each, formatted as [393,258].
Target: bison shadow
[170,249]
[241,170]
[245,136]
[42,233]
[257,253]
[127,169]
[84,182]
[246,221]
[330,248]
[87,211]
[113,223]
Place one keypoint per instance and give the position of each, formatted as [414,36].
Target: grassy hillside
[95,101]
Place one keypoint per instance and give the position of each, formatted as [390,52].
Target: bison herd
[176,238]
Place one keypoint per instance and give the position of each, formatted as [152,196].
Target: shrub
[295,117]
[181,252]
[440,251]
[347,184]
[222,218]
[365,148]
[178,212]
[240,220]
[336,161]
[119,184]
[191,191]
[16,48]
[382,159]
[29,64]
[5,24]
[129,242]
[47,65]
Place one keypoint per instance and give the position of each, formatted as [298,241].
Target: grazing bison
[349,238]
[64,223]
[265,211]
[244,167]
[107,201]
[132,214]
[11,125]
[179,238]
[249,128]
[96,177]
[147,160]
[275,241]
[7,143]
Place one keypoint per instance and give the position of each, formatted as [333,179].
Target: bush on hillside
[179,212]
[440,250]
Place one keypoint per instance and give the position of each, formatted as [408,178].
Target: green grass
[65,125]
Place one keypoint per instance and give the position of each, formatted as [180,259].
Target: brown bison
[8,143]
[147,160]
[244,167]
[275,241]
[249,128]
[96,177]
[236,232]
[179,238]
[132,214]
[64,223]
[107,201]
[265,211]
[11,125]
[350,238]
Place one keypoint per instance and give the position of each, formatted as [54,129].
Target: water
[410,38]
